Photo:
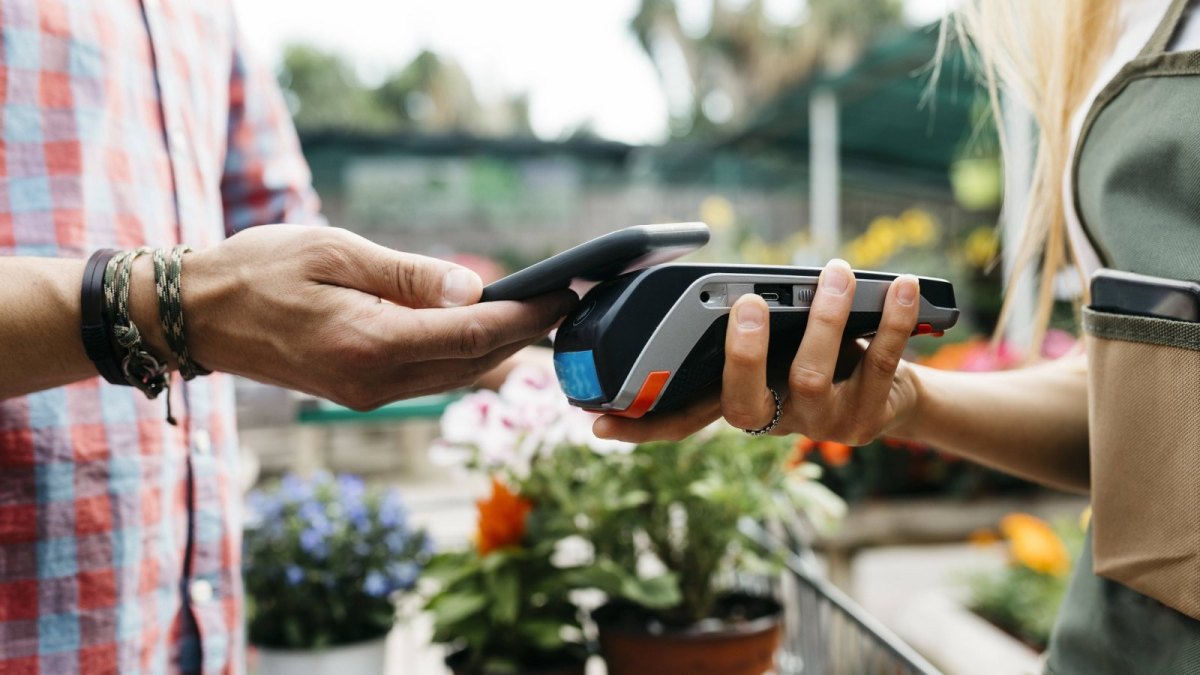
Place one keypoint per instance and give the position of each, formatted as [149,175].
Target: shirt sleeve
[265,178]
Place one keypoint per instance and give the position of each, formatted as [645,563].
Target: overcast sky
[577,61]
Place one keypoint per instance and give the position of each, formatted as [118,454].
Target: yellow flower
[917,227]
[1035,545]
[981,246]
[717,212]
[884,232]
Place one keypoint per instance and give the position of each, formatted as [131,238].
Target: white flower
[465,419]
[443,453]
[507,430]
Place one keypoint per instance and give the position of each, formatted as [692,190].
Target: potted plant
[660,522]
[502,605]
[680,506]
[322,558]
[505,604]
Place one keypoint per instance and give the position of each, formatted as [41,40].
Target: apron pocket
[1144,432]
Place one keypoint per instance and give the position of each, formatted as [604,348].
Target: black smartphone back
[1141,295]
[600,259]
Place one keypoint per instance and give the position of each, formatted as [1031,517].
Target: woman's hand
[327,312]
[880,396]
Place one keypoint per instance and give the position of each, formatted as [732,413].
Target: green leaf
[448,569]
[294,634]
[656,592]
[450,609]
[546,635]
[505,592]
[659,592]
[633,499]
[499,665]
[494,560]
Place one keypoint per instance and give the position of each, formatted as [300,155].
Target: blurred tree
[743,58]
[323,91]
[431,94]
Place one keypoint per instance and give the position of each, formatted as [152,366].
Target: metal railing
[825,632]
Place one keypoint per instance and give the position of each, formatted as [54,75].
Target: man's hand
[327,312]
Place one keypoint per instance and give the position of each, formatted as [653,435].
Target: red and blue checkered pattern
[123,124]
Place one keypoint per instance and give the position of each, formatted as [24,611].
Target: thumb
[409,279]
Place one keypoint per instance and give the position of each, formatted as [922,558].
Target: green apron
[1137,178]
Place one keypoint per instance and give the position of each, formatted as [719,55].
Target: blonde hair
[1046,53]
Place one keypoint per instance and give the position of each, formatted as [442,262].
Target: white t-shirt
[1137,22]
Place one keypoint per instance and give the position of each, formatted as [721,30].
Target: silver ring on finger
[774,420]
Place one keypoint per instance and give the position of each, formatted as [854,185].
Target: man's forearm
[1030,422]
[40,344]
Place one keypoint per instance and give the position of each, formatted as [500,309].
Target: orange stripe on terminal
[647,395]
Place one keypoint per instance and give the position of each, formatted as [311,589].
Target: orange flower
[952,356]
[835,454]
[1035,545]
[804,445]
[501,519]
[983,537]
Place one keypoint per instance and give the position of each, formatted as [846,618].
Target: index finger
[475,330]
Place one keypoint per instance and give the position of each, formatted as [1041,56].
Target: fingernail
[751,316]
[907,293]
[458,287]
[835,278]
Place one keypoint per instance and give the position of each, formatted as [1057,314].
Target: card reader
[654,339]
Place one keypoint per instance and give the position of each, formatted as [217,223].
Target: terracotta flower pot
[554,666]
[633,643]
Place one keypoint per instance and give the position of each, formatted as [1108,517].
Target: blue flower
[351,488]
[294,575]
[391,509]
[403,574]
[295,489]
[396,541]
[313,543]
[312,513]
[375,585]
[359,517]
[260,507]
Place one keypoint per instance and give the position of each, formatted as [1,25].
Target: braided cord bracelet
[168,273]
[141,369]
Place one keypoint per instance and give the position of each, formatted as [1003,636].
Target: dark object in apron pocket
[1144,428]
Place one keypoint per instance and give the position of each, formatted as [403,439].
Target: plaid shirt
[127,123]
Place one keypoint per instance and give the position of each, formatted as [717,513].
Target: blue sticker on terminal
[577,376]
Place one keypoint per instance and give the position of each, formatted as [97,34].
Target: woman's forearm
[1031,422]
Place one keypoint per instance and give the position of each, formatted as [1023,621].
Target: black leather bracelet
[97,334]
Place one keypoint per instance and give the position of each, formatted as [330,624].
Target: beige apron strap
[1166,30]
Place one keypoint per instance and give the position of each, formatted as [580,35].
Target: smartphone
[1138,294]
[600,259]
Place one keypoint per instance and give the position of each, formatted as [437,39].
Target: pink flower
[1058,343]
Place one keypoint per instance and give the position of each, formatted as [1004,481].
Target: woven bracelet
[168,274]
[141,369]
